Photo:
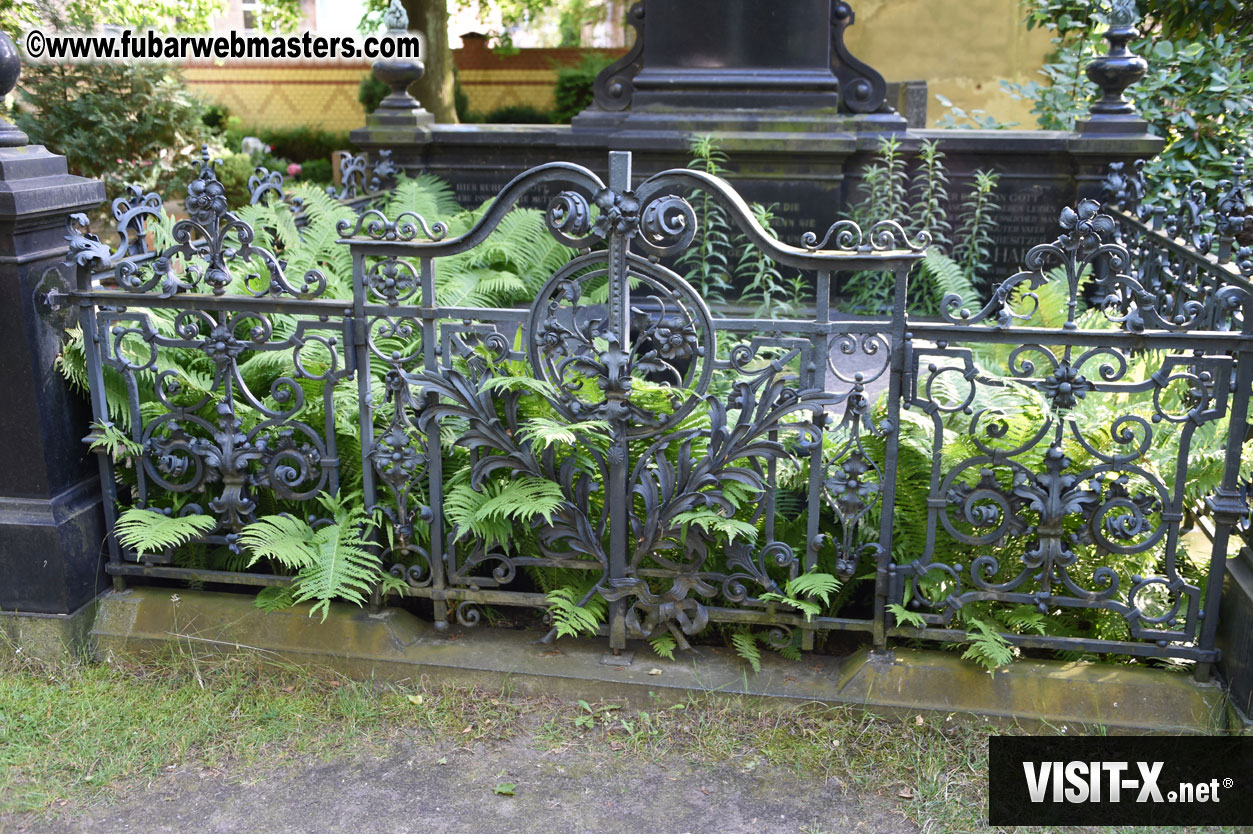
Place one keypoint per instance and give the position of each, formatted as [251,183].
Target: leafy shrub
[518,114]
[1197,94]
[370,92]
[573,91]
[316,170]
[102,116]
[460,100]
[216,117]
[303,143]
[233,173]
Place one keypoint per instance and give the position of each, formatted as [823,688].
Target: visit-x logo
[1125,780]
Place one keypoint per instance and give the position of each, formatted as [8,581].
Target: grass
[79,734]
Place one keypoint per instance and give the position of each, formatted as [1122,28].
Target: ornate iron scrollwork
[862,89]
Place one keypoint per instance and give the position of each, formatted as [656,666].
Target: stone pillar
[51,525]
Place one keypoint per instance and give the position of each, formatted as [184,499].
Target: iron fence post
[817,361]
[434,452]
[891,429]
[1229,503]
[619,330]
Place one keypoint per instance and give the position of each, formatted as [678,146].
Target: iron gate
[984,478]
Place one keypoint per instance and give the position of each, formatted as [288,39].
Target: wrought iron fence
[1020,468]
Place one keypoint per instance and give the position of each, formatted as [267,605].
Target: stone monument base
[811,173]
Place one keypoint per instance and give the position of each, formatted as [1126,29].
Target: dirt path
[413,789]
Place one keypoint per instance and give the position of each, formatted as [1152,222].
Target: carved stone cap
[735,54]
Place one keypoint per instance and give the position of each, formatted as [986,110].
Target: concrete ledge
[396,645]
[50,637]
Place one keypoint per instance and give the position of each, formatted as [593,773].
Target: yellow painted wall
[961,48]
[272,94]
[488,89]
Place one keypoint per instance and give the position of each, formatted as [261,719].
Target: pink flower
[293,170]
[121,162]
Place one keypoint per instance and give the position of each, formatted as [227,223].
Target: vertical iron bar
[1228,505]
[434,454]
[100,413]
[619,330]
[817,363]
[890,447]
[358,327]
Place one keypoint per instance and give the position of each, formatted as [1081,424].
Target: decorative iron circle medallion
[654,378]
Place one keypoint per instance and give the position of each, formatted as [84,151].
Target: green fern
[939,276]
[1024,618]
[711,522]
[331,562]
[745,645]
[543,432]
[801,591]
[275,598]
[664,645]
[108,438]
[491,512]
[426,195]
[572,619]
[520,383]
[147,531]
[987,647]
[906,617]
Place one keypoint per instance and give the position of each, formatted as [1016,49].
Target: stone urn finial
[10,69]
[1119,69]
[396,19]
[398,73]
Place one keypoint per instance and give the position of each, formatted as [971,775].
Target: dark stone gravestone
[51,524]
[796,113]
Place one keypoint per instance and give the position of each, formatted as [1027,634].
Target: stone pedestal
[51,525]
[813,177]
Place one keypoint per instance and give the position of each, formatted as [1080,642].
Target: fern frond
[711,522]
[523,499]
[543,432]
[520,383]
[282,538]
[342,569]
[987,647]
[274,598]
[745,645]
[148,531]
[108,438]
[942,277]
[664,645]
[814,584]
[1024,618]
[490,513]
[426,195]
[906,617]
[571,619]
[331,562]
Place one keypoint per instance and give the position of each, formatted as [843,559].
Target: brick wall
[284,94]
[492,80]
[324,93]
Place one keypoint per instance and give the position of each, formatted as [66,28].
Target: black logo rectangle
[1120,780]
